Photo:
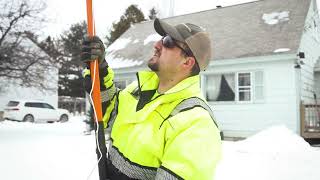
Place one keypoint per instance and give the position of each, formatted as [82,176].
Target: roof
[252,29]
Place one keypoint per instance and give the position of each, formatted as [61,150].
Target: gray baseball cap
[195,37]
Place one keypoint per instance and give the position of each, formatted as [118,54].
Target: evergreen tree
[70,71]
[132,15]
[153,14]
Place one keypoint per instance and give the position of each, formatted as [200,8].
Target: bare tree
[65,52]
[21,61]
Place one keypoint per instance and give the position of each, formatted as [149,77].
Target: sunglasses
[169,42]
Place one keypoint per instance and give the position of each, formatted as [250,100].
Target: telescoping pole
[94,70]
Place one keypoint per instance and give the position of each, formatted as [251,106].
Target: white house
[12,90]
[265,68]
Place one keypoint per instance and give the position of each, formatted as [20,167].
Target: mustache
[157,50]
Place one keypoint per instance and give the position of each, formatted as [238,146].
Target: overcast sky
[62,13]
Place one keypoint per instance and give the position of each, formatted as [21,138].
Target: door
[50,112]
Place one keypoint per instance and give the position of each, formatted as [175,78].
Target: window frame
[237,88]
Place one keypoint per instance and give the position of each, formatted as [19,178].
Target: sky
[54,151]
[63,13]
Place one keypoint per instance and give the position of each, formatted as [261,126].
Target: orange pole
[101,146]
[94,74]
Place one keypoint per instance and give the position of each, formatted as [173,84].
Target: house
[265,68]
[12,90]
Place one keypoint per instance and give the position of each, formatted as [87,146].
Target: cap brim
[164,28]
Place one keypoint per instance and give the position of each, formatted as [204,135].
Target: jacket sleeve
[108,91]
[193,146]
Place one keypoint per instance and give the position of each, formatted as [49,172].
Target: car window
[29,104]
[12,103]
[33,104]
[45,105]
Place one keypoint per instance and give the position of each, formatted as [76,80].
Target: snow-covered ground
[60,151]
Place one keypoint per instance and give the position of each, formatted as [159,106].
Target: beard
[154,66]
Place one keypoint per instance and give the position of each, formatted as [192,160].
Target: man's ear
[189,62]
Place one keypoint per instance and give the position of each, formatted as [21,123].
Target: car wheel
[28,118]
[64,118]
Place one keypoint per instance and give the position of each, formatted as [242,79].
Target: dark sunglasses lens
[168,42]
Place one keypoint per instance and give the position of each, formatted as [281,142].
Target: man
[161,128]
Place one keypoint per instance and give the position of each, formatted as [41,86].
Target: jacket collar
[148,83]
[148,80]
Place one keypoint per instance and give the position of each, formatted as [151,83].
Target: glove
[93,48]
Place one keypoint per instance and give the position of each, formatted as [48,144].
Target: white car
[34,111]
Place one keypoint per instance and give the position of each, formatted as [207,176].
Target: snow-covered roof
[250,29]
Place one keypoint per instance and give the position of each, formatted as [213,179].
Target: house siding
[279,107]
[310,45]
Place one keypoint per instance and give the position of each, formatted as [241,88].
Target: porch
[310,121]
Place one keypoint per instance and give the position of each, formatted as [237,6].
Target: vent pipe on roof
[218,5]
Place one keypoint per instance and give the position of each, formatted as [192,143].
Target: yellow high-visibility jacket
[148,142]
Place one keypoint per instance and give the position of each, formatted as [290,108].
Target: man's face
[165,60]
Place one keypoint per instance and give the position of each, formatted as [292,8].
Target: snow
[275,17]
[61,151]
[135,41]
[120,43]
[281,50]
[152,38]
[275,153]
[115,62]
[72,76]
[281,138]
[46,151]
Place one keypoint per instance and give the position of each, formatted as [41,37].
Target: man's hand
[93,48]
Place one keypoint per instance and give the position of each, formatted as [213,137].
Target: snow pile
[60,151]
[276,153]
[278,139]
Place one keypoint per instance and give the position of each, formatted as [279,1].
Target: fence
[75,105]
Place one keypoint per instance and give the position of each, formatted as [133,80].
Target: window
[121,84]
[241,87]
[13,103]
[220,87]
[33,104]
[244,87]
[48,106]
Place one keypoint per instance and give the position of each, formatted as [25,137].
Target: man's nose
[158,44]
